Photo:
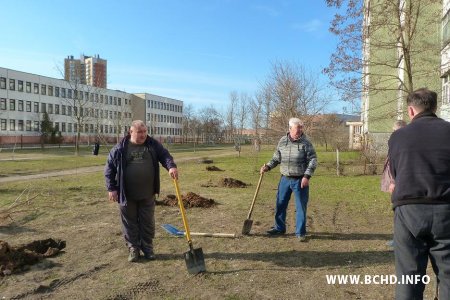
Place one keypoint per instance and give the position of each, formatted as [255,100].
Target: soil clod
[189,200]
[213,168]
[15,258]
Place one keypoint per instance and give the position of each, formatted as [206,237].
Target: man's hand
[173,172]
[263,169]
[304,183]
[112,196]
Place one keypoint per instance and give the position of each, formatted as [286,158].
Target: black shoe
[274,231]
[149,255]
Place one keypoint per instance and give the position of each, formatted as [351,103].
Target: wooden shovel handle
[254,197]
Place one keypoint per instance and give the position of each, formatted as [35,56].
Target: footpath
[86,170]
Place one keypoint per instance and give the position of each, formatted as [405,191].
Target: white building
[163,116]
[103,114]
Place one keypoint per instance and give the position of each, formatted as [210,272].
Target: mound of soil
[189,200]
[15,258]
[213,168]
[205,161]
[232,183]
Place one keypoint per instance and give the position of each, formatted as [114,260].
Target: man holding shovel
[132,180]
[297,159]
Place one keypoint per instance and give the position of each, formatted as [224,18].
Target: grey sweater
[296,158]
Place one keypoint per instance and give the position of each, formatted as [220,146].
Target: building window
[28,125]
[3,124]
[20,85]
[50,90]
[28,87]
[2,103]
[20,125]
[12,125]
[445,90]
[56,109]
[28,106]
[36,107]
[36,88]
[86,96]
[36,126]
[50,108]
[63,109]
[56,91]
[56,126]
[20,105]
[69,110]
[63,127]
[12,84]
[43,107]
[69,93]
[12,104]
[3,83]
[43,89]
[69,127]
[63,92]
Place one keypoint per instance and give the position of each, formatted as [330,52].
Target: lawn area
[349,223]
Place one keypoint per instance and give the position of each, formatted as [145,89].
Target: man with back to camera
[419,157]
[132,180]
[297,159]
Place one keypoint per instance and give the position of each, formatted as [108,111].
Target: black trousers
[422,231]
[138,223]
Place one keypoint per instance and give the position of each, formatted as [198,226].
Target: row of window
[50,90]
[60,109]
[63,127]
[165,131]
[164,118]
[164,106]
[28,125]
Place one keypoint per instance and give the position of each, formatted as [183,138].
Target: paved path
[85,170]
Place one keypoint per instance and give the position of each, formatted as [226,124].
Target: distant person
[387,182]
[297,159]
[419,156]
[132,180]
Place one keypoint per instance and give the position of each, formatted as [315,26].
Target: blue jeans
[286,187]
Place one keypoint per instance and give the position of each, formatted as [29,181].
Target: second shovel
[249,222]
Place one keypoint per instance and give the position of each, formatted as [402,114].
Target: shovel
[175,231]
[195,261]
[248,223]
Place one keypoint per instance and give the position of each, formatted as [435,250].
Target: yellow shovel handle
[183,212]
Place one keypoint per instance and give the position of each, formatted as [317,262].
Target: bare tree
[292,91]
[230,117]
[385,47]
[329,130]
[211,122]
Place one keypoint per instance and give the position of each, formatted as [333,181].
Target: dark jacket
[116,164]
[419,157]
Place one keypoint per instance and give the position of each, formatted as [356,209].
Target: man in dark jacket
[132,180]
[420,165]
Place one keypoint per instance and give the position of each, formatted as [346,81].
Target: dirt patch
[205,161]
[232,183]
[213,168]
[16,258]
[189,200]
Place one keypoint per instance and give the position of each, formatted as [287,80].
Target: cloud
[313,25]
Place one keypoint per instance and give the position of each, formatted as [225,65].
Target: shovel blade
[247,226]
[195,261]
